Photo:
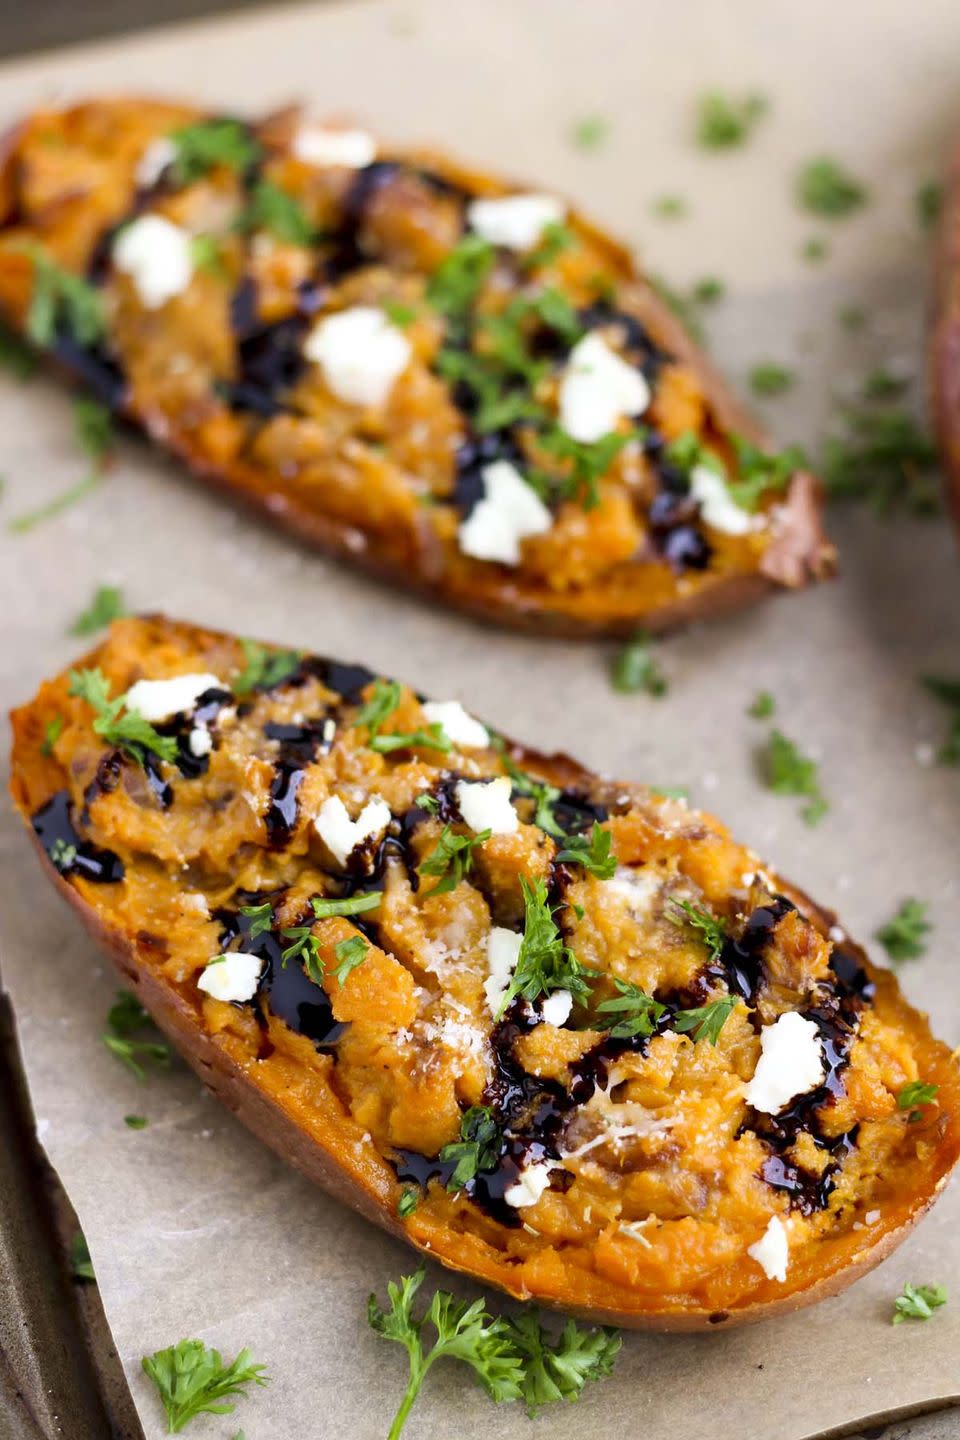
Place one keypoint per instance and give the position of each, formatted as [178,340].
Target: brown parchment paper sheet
[193,1227]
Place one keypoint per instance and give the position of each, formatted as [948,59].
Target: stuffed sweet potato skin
[311,1132]
[600,571]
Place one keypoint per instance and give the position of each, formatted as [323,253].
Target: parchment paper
[193,1227]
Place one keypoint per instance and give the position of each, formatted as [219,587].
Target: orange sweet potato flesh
[381,485]
[662,1176]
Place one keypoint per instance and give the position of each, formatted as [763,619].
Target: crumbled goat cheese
[837,934]
[159,699]
[158,257]
[200,741]
[233,976]
[598,389]
[360,353]
[872,1217]
[340,834]
[510,511]
[529,1185]
[637,888]
[717,506]
[486,805]
[158,155]
[555,1009]
[515,221]
[503,950]
[465,732]
[316,145]
[791,1063]
[771,1251]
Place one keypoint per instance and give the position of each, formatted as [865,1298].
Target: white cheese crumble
[771,1251]
[717,505]
[159,699]
[598,389]
[233,976]
[515,221]
[340,834]
[316,145]
[872,1217]
[158,257]
[465,732]
[158,155]
[486,806]
[360,353]
[791,1063]
[555,1010]
[529,1185]
[509,512]
[637,888]
[503,949]
[200,741]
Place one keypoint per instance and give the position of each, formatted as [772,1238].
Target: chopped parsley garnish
[544,796]
[378,709]
[51,734]
[949,692]
[398,313]
[770,378]
[93,430]
[136,1122]
[264,669]
[815,250]
[61,300]
[477,1150]
[761,472]
[352,905]
[107,605]
[852,317]
[762,706]
[915,1094]
[555,238]
[706,926]
[824,187]
[125,1018]
[708,290]
[305,948]
[593,853]
[670,207]
[459,278]
[15,357]
[261,916]
[885,458]
[451,858]
[632,1012]
[635,670]
[789,772]
[590,132]
[210,143]
[434,737]
[706,1021]
[350,953]
[918,1302]
[513,1359]
[62,854]
[192,1380]
[128,730]
[723,122]
[881,385]
[408,1202]
[272,209]
[381,705]
[81,1266]
[928,202]
[428,802]
[587,463]
[205,254]
[545,963]
[905,936]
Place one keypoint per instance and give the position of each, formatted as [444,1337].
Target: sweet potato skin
[798,553]
[371,1192]
[943,356]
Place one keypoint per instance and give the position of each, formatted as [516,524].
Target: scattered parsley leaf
[708,929]
[459,278]
[107,605]
[381,705]
[262,917]
[125,1018]
[815,250]
[192,1380]
[905,936]
[305,948]
[433,737]
[789,772]
[350,953]
[558,1369]
[51,734]
[852,317]
[670,207]
[824,187]
[352,905]
[205,254]
[136,1122]
[210,143]
[128,730]
[593,853]
[408,1202]
[588,463]
[590,132]
[451,858]
[928,202]
[378,709]
[708,290]
[544,796]
[544,963]
[264,669]
[61,300]
[761,472]
[918,1302]
[884,458]
[633,1012]
[62,854]
[762,706]
[478,1148]
[555,238]
[126,1014]
[15,357]
[272,209]
[398,313]
[81,1266]
[428,802]
[948,691]
[706,1021]
[914,1094]
[771,379]
[881,385]
[723,122]
[635,670]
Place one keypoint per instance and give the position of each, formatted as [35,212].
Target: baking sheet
[193,1227]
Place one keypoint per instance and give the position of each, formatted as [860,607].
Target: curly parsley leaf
[762,706]
[125,1018]
[61,300]
[706,1021]
[478,1148]
[211,143]
[544,796]
[264,669]
[272,209]
[126,729]
[305,948]
[261,917]
[378,709]
[559,1369]
[350,953]
[62,854]
[192,1380]
[948,691]
[585,464]
[706,927]
[770,378]
[545,963]
[451,858]
[904,937]
[883,458]
[593,853]
[632,1012]
[789,772]
[408,1202]
[635,669]
[724,122]
[928,202]
[761,472]
[51,734]
[918,1302]
[107,605]
[459,278]
[824,187]
[915,1094]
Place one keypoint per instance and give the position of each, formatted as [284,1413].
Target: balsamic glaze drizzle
[73,855]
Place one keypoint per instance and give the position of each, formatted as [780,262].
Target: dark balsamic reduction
[270,361]
[299,746]
[99,372]
[348,253]
[53,822]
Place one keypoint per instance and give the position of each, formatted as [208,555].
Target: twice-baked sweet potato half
[461,385]
[564,1035]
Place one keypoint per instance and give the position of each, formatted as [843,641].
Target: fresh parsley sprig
[706,1021]
[208,144]
[593,853]
[451,858]
[915,1094]
[350,953]
[904,937]
[707,927]
[635,669]
[126,729]
[478,1148]
[544,796]
[305,948]
[106,606]
[559,1369]
[632,1012]
[193,1380]
[724,121]
[918,1302]
[789,772]
[261,917]
[125,1018]
[460,276]
[948,691]
[61,299]
[264,669]
[825,187]
[272,209]
[884,458]
[545,963]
